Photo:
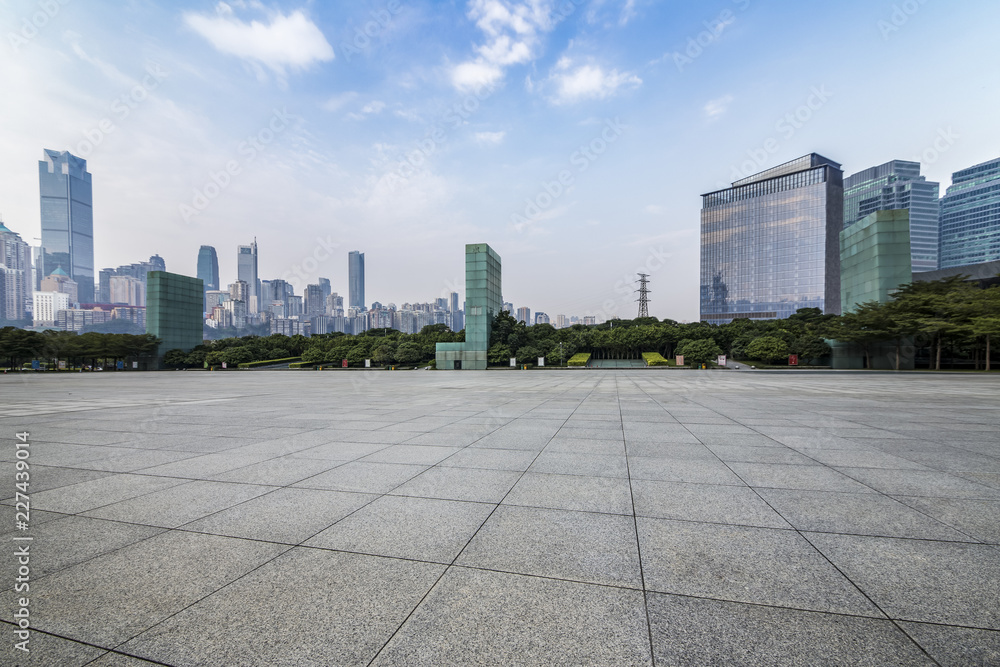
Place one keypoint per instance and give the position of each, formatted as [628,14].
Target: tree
[408,353]
[175,358]
[528,355]
[986,320]
[697,352]
[869,323]
[769,349]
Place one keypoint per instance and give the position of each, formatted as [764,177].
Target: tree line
[18,346]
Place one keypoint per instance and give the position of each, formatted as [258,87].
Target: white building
[47,304]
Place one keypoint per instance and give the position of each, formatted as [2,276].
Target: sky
[573,136]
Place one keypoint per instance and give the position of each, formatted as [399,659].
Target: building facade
[67,206]
[15,275]
[970,216]
[174,312]
[892,186]
[875,258]
[47,305]
[208,267]
[356,280]
[770,244]
[483,301]
[246,270]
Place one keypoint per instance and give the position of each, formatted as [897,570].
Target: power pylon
[643,294]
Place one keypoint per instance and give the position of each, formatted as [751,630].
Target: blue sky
[574,137]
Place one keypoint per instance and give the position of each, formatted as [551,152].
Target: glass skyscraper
[770,244]
[246,270]
[892,186]
[483,301]
[356,280]
[208,267]
[970,216]
[67,218]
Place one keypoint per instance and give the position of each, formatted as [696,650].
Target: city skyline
[310,143]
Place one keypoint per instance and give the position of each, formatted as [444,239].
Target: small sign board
[793,360]
[223,364]
[135,365]
[680,360]
[35,364]
[120,365]
[513,362]
[368,363]
[541,361]
[62,365]
[721,361]
[343,364]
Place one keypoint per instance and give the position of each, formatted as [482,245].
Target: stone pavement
[579,517]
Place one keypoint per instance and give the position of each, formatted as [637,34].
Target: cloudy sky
[574,136]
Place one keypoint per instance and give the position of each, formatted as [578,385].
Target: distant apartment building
[541,318]
[356,279]
[893,186]
[562,322]
[59,281]
[524,315]
[314,301]
[970,216]
[77,319]
[15,275]
[46,305]
[128,291]
[770,244]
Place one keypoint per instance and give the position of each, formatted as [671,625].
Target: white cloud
[577,83]
[375,106]
[338,101]
[512,31]
[490,138]
[716,108]
[291,40]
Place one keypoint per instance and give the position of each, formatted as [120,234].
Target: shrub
[769,349]
[696,352]
[269,362]
[579,359]
[656,359]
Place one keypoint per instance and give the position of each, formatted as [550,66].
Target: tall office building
[770,244]
[892,186]
[15,275]
[356,280]
[208,267]
[67,218]
[324,283]
[246,270]
[524,314]
[314,304]
[483,301]
[970,216]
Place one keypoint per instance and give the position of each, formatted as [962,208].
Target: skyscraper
[892,186]
[524,314]
[15,275]
[208,267]
[324,283]
[246,270]
[770,244]
[356,279]
[970,216]
[67,218]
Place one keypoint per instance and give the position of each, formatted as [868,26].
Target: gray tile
[203,467]
[120,660]
[287,515]
[916,580]
[672,450]
[415,528]
[513,619]
[813,478]
[703,502]
[45,478]
[979,519]
[415,454]
[760,454]
[856,513]
[340,451]
[485,486]
[691,631]
[156,577]
[580,464]
[741,564]
[281,471]
[46,651]
[595,446]
[921,483]
[849,458]
[490,459]
[363,477]
[956,647]
[180,504]
[85,496]
[335,609]
[677,470]
[572,492]
[582,546]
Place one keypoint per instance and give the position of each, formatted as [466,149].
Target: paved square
[632,517]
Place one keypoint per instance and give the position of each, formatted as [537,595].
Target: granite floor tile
[736,505]
[811,478]
[84,496]
[476,485]
[956,647]
[572,492]
[363,477]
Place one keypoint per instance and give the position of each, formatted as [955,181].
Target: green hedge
[656,359]
[269,362]
[302,364]
[578,359]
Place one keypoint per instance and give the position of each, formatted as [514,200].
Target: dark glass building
[893,186]
[356,279]
[970,216]
[208,267]
[770,244]
[67,206]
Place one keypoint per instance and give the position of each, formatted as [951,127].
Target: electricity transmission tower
[643,294]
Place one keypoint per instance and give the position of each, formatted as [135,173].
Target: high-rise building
[58,281]
[875,257]
[67,209]
[892,186]
[175,311]
[356,279]
[208,267]
[327,287]
[313,302]
[483,301]
[47,305]
[509,307]
[335,305]
[541,318]
[246,270]
[770,244]
[970,216]
[15,275]
[239,291]
[562,321]
[524,315]
[128,291]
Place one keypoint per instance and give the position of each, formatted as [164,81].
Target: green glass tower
[875,257]
[483,301]
[174,310]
